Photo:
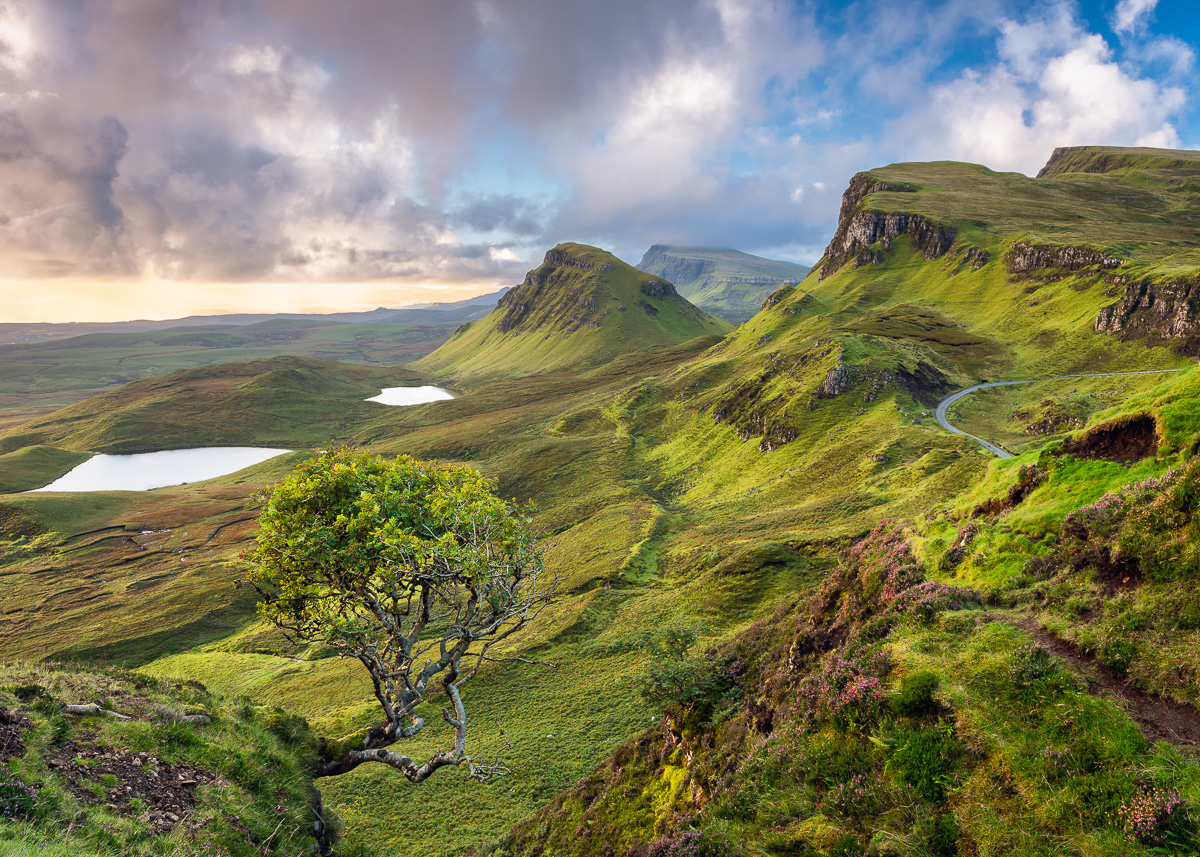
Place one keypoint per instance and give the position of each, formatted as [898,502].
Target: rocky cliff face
[1153,310]
[526,307]
[677,269]
[859,228]
[1025,257]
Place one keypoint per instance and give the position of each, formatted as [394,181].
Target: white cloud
[1054,84]
[688,130]
[1175,54]
[16,40]
[653,152]
[1130,15]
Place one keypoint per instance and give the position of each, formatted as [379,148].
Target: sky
[160,159]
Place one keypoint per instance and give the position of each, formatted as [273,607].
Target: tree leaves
[397,562]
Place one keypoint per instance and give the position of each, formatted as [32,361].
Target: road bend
[943,406]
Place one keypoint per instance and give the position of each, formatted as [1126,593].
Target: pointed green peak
[580,308]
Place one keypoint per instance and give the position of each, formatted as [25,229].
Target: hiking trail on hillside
[1157,719]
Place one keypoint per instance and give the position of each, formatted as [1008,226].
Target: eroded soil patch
[111,777]
[12,724]
[1158,719]
[1125,440]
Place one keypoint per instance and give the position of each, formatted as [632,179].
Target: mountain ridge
[727,283]
[580,308]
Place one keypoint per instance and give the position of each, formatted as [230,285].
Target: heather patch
[1154,816]
[849,690]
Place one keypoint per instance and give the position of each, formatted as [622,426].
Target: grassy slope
[575,320]
[720,281]
[280,401]
[952,736]
[40,377]
[1143,208]
[1006,798]
[655,509]
[251,790]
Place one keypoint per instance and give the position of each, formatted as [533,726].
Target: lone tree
[414,568]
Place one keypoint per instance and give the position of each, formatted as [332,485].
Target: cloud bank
[376,141]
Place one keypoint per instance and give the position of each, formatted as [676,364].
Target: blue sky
[162,158]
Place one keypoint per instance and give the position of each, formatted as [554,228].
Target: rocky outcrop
[837,381]
[1153,310]
[657,288]
[976,257]
[859,228]
[1024,257]
[577,307]
[778,295]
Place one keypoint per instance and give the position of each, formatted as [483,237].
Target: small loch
[410,395]
[147,470]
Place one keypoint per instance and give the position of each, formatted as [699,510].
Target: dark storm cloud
[514,215]
[97,181]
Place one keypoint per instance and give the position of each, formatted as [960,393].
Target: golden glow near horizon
[59,302]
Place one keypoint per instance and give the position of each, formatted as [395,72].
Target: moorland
[795,616]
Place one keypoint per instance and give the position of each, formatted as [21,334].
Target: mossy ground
[247,790]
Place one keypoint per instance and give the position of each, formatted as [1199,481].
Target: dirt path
[1158,719]
[941,413]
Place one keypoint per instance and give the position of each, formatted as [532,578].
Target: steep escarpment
[1155,311]
[727,283]
[860,227]
[1084,160]
[580,308]
[1095,218]
[675,267]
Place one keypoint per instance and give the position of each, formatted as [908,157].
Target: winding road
[944,405]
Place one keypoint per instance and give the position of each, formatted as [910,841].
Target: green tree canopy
[416,569]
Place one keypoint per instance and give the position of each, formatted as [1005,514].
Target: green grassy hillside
[41,376]
[138,782]
[735,489]
[580,309]
[888,710]
[729,284]
[279,401]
